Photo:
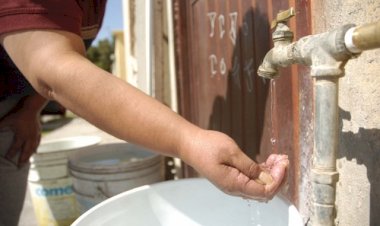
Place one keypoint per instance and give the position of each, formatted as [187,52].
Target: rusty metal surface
[220,44]
[305,136]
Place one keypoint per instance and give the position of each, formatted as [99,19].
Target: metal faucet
[282,37]
[326,54]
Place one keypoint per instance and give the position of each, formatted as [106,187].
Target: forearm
[119,108]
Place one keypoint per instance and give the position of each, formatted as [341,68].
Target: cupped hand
[217,157]
[27,134]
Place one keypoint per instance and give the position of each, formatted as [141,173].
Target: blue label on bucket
[59,191]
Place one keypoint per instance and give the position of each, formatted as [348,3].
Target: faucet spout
[268,69]
[282,55]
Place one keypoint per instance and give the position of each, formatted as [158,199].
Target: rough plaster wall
[358,189]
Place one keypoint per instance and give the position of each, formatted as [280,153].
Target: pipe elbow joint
[329,54]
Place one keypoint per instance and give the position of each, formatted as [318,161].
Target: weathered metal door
[219,46]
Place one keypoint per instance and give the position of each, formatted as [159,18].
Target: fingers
[251,178]
[247,166]
[273,158]
[278,171]
[260,173]
[264,180]
[237,183]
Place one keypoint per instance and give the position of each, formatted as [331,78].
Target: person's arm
[54,63]
[24,122]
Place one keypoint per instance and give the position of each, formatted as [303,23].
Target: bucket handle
[102,192]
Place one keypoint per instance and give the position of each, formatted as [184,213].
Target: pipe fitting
[323,187]
[329,53]
[324,177]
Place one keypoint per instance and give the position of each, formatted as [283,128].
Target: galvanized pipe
[323,174]
[326,123]
[367,37]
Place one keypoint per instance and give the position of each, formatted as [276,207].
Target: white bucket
[49,182]
[107,170]
[188,202]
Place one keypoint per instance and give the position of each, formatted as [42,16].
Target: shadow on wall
[364,146]
[241,112]
[249,111]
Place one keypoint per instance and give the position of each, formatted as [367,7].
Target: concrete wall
[358,189]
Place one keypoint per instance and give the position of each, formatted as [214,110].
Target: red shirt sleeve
[18,15]
[82,17]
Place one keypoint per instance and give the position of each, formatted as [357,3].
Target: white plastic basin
[187,202]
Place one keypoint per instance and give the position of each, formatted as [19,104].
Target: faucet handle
[283,17]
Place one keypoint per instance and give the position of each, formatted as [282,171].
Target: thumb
[251,169]
[264,178]
[278,172]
